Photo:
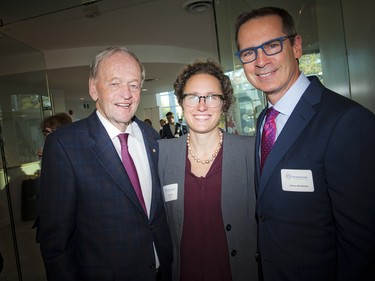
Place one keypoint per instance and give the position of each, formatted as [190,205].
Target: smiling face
[117,89]
[202,119]
[273,75]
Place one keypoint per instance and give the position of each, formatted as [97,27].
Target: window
[167,101]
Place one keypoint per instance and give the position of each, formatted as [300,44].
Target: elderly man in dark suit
[94,224]
[316,187]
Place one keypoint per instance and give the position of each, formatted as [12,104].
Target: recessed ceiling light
[197,6]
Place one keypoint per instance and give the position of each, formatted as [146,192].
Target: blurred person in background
[51,124]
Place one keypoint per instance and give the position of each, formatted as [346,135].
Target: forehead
[120,62]
[202,81]
[259,30]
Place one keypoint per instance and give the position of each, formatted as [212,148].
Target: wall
[332,46]
[58,101]
[80,109]
[148,108]
[359,28]
[346,41]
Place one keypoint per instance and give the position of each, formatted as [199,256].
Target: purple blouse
[204,250]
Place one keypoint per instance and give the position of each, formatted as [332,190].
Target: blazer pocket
[317,274]
[96,274]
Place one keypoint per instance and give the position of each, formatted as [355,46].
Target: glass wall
[24,101]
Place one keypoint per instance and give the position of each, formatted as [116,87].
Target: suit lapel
[257,146]
[299,119]
[106,155]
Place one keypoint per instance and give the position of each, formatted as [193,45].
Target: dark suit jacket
[166,132]
[92,226]
[327,234]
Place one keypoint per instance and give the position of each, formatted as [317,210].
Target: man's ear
[297,46]
[92,89]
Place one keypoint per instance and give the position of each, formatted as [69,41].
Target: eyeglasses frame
[203,97]
[261,46]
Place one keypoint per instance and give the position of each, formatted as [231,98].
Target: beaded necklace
[213,156]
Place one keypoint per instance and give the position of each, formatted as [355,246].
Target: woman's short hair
[204,67]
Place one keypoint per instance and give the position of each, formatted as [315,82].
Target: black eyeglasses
[270,48]
[192,100]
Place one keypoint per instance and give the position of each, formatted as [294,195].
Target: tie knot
[123,139]
[271,114]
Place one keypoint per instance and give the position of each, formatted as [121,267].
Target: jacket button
[233,253]
[153,266]
[229,227]
[261,218]
[257,256]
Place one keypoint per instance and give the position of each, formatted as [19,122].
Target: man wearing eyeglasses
[314,162]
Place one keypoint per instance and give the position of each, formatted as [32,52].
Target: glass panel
[168,102]
[23,95]
[249,103]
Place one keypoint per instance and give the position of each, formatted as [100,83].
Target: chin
[266,87]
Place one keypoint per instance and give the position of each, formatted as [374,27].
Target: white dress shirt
[137,151]
[288,102]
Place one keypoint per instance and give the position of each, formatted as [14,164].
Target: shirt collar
[132,129]
[289,101]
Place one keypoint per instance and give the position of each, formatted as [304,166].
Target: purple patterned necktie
[268,135]
[129,166]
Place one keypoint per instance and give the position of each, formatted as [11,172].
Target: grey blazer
[238,200]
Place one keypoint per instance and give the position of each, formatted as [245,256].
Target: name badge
[297,180]
[170,192]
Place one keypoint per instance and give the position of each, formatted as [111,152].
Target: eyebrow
[198,94]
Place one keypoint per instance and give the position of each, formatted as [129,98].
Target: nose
[262,58]
[202,104]
[125,91]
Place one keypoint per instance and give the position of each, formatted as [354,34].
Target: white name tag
[297,180]
[170,192]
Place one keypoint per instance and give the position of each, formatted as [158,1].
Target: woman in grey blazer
[207,179]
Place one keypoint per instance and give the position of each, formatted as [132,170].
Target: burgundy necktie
[128,163]
[268,135]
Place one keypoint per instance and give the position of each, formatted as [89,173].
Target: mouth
[265,75]
[202,117]
[124,105]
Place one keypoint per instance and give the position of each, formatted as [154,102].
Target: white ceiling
[160,32]
[163,35]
